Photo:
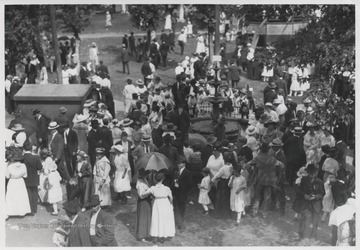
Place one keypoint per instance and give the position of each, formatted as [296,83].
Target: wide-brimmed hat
[270,121]
[71,207]
[93,44]
[100,150]
[79,118]
[268,104]
[53,125]
[94,109]
[297,130]
[273,85]
[310,110]
[118,148]
[276,143]
[169,127]
[139,82]
[93,201]
[146,138]
[264,117]
[277,101]
[17,127]
[243,91]
[36,111]
[211,139]
[127,122]
[81,153]
[306,101]
[250,130]
[63,110]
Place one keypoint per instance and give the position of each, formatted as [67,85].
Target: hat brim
[275,145]
[55,127]
[127,124]
[214,139]
[17,129]
[297,132]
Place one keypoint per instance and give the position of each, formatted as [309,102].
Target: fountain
[204,125]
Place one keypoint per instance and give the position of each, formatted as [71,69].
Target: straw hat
[127,122]
[17,127]
[276,143]
[250,130]
[276,101]
[100,150]
[139,82]
[63,110]
[297,130]
[79,118]
[53,125]
[146,138]
[118,148]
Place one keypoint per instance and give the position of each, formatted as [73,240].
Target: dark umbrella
[153,161]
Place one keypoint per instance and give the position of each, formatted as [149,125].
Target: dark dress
[222,203]
[143,215]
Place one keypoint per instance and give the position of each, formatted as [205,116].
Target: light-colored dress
[122,163]
[215,164]
[43,76]
[167,22]
[204,191]
[101,172]
[295,84]
[108,20]
[16,198]
[328,200]
[237,201]
[162,218]
[55,192]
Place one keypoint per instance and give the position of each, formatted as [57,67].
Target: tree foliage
[327,41]
[148,16]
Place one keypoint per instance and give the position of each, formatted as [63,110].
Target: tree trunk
[56,44]
[217,31]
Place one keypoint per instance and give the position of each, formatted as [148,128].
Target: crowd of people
[279,151]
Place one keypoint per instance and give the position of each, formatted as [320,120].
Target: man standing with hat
[84,74]
[105,136]
[180,190]
[102,178]
[125,58]
[93,140]
[312,190]
[71,147]
[128,92]
[101,225]
[183,122]
[145,147]
[42,131]
[270,93]
[271,112]
[295,154]
[56,146]
[270,133]
[279,189]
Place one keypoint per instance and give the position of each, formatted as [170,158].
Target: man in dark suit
[171,115]
[42,131]
[295,154]
[79,235]
[183,122]
[101,225]
[154,53]
[173,155]
[93,140]
[144,148]
[234,74]
[164,49]
[199,71]
[84,74]
[281,84]
[103,70]
[180,190]
[171,40]
[125,58]
[56,146]
[33,165]
[179,91]
[105,136]
[244,150]
[70,148]
[270,93]
[132,44]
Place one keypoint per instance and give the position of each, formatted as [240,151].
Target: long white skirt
[104,193]
[16,198]
[122,184]
[162,218]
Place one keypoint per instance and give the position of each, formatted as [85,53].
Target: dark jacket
[180,94]
[294,150]
[42,131]
[281,84]
[72,142]
[185,183]
[57,146]
[79,234]
[199,71]
[206,152]
[183,122]
[266,165]
[105,136]
[270,96]
[125,56]
[104,70]
[84,74]
[104,231]
[234,73]
[93,140]
[246,152]
[145,69]
[310,187]
[33,164]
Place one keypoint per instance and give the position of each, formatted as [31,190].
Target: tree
[327,40]
[148,16]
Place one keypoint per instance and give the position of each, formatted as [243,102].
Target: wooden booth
[48,98]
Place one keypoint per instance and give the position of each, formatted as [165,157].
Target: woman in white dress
[108,20]
[93,56]
[200,46]
[167,22]
[47,162]
[122,173]
[65,75]
[295,84]
[43,75]
[237,184]
[16,198]
[162,218]
[55,194]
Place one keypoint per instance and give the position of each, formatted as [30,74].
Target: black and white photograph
[179,125]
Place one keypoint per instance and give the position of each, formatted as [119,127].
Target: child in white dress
[205,187]
[237,183]
[189,29]
[55,192]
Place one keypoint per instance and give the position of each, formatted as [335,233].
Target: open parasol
[153,161]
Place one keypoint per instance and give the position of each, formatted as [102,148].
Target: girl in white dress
[93,56]
[189,29]
[162,218]
[43,75]
[55,194]
[295,84]
[205,187]
[200,46]
[167,22]
[237,184]
[16,198]
[122,173]
[108,20]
